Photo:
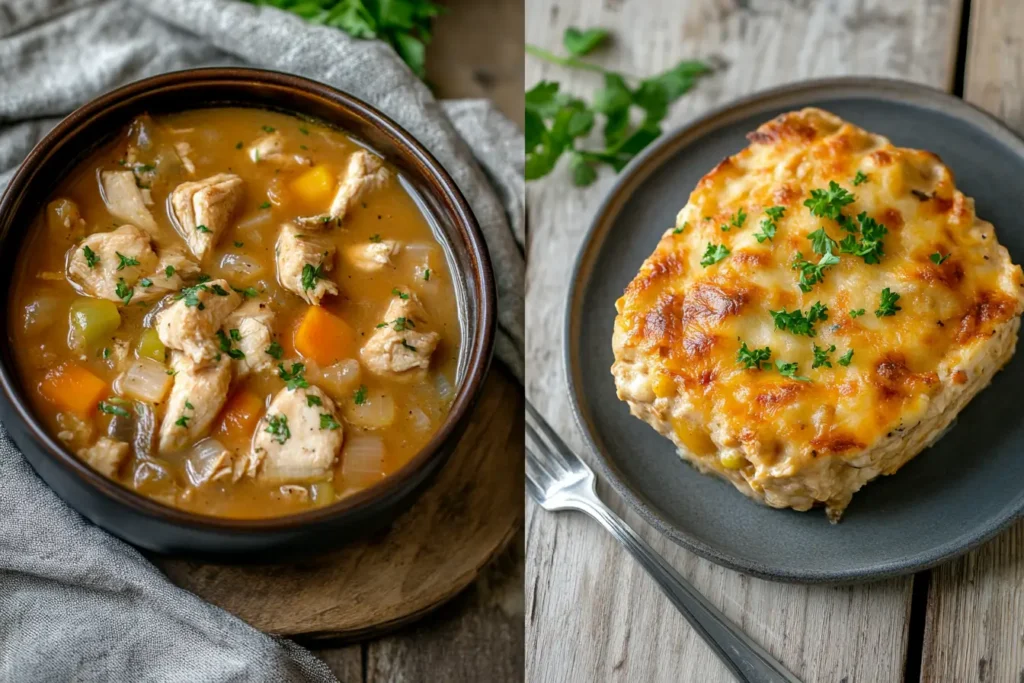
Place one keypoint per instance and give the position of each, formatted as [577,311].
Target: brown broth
[219,139]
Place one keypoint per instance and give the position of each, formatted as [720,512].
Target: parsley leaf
[754,359]
[111,409]
[191,296]
[820,241]
[845,359]
[821,356]
[829,203]
[375,238]
[679,229]
[797,323]
[311,274]
[125,261]
[312,400]
[91,259]
[203,228]
[169,272]
[327,421]
[579,43]
[265,205]
[813,273]
[123,291]
[790,370]
[713,254]
[770,225]
[248,292]
[274,350]
[426,275]
[938,259]
[887,303]
[146,282]
[269,129]
[859,178]
[293,378]
[738,219]
[856,313]
[225,345]
[277,426]
[359,397]
[399,293]
[870,246]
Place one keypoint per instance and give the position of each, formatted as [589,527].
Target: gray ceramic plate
[949,499]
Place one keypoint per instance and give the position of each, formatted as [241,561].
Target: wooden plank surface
[976,604]
[477,52]
[592,614]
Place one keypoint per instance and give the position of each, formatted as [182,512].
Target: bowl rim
[484,295]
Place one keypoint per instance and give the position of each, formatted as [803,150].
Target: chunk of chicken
[365,172]
[190,324]
[174,265]
[107,265]
[124,199]
[402,345]
[269,149]
[372,256]
[106,455]
[198,394]
[203,210]
[302,264]
[299,438]
[251,324]
[183,149]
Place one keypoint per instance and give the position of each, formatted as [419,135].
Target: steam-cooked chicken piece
[183,149]
[270,149]
[203,210]
[173,267]
[364,173]
[303,263]
[372,256]
[248,330]
[299,438]
[108,265]
[190,324]
[106,455]
[402,345]
[124,199]
[198,394]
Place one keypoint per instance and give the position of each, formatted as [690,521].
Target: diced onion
[323,493]
[362,461]
[341,379]
[241,266]
[145,429]
[444,387]
[205,460]
[39,314]
[121,427]
[145,380]
[376,412]
[152,476]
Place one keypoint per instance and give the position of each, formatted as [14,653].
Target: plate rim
[635,173]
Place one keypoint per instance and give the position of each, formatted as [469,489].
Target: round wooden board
[426,557]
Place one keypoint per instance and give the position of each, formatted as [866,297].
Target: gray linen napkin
[77,604]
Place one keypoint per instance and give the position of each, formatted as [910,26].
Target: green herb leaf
[579,43]
[821,354]
[399,293]
[293,378]
[248,292]
[265,205]
[797,323]
[813,273]
[426,275]
[274,350]
[225,345]
[713,254]
[182,421]
[312,400]
[311,274]
[790,370]
[859,178]
[375,238]
[125,261]
[123,291]
[202,228]
[938,259]
[239,245]
[269,129]
[679,230]
[829,203]
[91,259]
[856,313]
[887,303]
[169,271]
[277,426]
[845,359]
[327,421]
[110,409]
[359,398]
[821,243]
[754,359]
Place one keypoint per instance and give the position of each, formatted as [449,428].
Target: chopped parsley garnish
[303,130]
[235,335]
[125,261]
[123,291]
[202,228]
[797,323]
[821,356]
[169,271]
[218,290]
[821,243]
[408,346]
[856,313]
[239,245]
[738,219]
[182,421]
[277,426]
[269,129]
[91,259]
[225,345]
[293,378]
[146,282]
[274,350]
[188,405]
[203,277]
[845,359]
[713,254]
[770,225]
[238,145]
[375,237]
[754,359]
[399,293]
[191,296]
[312,400]
[105,353]
[265,205]
[327,421]
[310,275]
[359,397]
[111,409]
[790,370]
[248,292]
[870,245]
[859,178]
[381,325]
[938,259]
[829,203]
[813,273]
[679,230]
[426,275]
[887,303]
[402,324]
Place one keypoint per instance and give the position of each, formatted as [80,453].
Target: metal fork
[559,480]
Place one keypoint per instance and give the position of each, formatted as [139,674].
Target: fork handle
[747,660]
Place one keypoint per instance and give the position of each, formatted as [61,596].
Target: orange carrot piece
[73,388]
[239,417]
[324,337]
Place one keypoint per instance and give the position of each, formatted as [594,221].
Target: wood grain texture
[983,589]
[592,613]
[425,558]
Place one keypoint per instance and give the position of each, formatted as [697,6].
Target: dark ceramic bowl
[145,522]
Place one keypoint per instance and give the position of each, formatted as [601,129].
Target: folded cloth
[77,604]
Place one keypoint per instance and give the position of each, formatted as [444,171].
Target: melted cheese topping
[683,323]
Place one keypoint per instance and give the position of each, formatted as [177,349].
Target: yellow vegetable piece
[94,321]
[732,460]
[324,337]
[315,187]
[150,346]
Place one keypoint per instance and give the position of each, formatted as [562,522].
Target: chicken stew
[237,313]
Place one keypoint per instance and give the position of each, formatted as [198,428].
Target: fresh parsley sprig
[797,323]
[754,359]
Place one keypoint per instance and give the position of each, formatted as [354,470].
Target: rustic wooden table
[592,614]
[477,52]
